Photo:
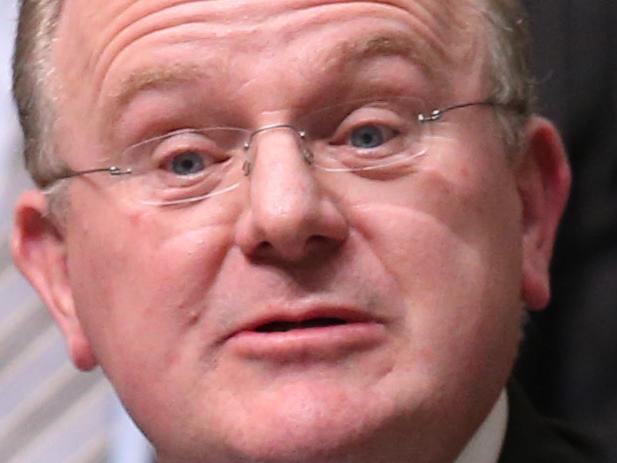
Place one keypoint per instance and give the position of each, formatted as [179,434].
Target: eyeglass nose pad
[307,154]
[246,167]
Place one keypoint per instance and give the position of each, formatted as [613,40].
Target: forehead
[103,13]
[94,36]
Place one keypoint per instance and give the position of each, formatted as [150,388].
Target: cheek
[453,248]
[438,223]
[151,282]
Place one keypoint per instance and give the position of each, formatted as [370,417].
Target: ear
[543,179]
[39,250]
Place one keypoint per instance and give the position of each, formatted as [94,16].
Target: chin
[302,426]
[302,443]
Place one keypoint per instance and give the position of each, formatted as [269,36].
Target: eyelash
[346,127]
[169,148]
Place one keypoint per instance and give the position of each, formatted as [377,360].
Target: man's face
[180,305]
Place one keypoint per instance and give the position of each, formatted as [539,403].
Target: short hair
[32,85]
[510,78]
[33,76]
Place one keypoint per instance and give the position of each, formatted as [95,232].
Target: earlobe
[39,250]
[543,178]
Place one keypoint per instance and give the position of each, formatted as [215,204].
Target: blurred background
[568,363]
[51,413]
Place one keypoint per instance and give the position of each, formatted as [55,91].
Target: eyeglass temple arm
[438,113]
[111,170]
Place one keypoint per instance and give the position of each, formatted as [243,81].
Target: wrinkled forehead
[103,12]
[440,25]
[94,35]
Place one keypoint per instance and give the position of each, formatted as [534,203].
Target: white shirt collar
[486,443]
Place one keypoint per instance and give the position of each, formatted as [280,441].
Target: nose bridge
[299,135]
[279,174]
[266,128]
[286,206]
[252,148]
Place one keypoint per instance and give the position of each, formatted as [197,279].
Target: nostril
[294,248]
[321,242]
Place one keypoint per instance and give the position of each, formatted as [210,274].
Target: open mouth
[284,326]
[301,336]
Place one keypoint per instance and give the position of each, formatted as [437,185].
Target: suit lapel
[531,438]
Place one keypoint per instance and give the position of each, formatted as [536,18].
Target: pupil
[188,163]
[367,137]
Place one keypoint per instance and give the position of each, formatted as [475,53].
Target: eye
[370,136]
[187,163]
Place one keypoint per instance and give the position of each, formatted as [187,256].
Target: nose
[289,215]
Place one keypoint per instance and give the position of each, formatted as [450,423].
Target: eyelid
[163,148]
[372,115]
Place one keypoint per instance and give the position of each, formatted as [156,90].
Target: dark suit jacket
[568,364]
[531,438]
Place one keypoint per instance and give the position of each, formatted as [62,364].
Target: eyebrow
[389,45]
[154,77]
[342,56]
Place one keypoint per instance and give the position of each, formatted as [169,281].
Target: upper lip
[344,314]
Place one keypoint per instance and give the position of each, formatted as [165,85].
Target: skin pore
[434,264]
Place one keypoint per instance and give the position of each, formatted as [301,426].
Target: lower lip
[310,344]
